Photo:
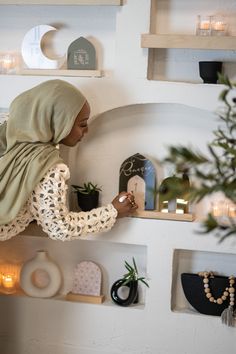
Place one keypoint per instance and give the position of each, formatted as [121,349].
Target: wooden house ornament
[138,175]
[81,55]
[170,202]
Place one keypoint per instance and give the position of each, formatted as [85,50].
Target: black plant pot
[88,202]
[209,70]
[193,288]
[132,297]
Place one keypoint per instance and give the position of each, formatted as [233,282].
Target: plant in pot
[129,280]
[87,195]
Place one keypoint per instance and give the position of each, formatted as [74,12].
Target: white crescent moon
[31,49]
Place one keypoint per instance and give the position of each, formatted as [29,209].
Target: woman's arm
[48,206]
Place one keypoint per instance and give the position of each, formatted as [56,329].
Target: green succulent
[86,188]
[132,274]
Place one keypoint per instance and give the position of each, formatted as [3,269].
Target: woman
[32,174]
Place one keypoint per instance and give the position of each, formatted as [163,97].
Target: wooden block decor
[81,55]
[87,281]
[91,299]
[138,175]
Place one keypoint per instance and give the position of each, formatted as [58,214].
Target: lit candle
[8,283]
[232,211]
[8,63]
[219,26]
[204,25]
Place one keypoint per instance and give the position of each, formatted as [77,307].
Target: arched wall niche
[145,128]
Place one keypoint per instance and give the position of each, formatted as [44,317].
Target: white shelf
[183,41]
[61,2]
[58,72]
[107,303]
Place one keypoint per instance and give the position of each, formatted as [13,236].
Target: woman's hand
[125,204]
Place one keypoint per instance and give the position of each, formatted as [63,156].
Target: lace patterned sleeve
[48,206]
[17,225]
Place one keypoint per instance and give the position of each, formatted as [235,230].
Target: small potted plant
[130,280]
[87,195]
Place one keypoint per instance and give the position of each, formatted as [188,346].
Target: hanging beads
[228,292]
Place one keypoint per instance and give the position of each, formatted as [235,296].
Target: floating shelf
[61,2]
[182,41]
[58,72]
[154,214]
[107,303]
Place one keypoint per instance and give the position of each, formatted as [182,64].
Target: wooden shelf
[58,72]
[154,214]
[61,2]
[188,41]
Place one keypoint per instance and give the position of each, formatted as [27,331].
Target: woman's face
[79,128]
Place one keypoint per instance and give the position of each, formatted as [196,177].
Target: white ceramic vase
[40,276]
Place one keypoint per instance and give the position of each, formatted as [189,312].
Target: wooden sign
[138,175]
[81,55]
[87,282]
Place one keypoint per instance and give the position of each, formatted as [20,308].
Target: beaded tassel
[227,316]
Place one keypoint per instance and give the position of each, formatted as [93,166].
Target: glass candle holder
[8,283]
[9,274]
[9,63]
[218,26]
[203,25]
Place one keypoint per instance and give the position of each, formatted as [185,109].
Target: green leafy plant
[216,173]
[86,188]
[132,274]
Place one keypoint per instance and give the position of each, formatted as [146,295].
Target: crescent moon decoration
[31,50]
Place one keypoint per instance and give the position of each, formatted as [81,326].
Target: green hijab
[38,120]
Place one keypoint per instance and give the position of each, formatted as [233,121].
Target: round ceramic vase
[40,276]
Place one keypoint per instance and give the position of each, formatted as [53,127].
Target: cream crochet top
[47,205]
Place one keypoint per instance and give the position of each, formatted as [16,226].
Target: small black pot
[88,202]
[132,297]
[209,70]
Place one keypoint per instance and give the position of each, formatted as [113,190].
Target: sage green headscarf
[38,120]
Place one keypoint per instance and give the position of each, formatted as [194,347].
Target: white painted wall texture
[153,115]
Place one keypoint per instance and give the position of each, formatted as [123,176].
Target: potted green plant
[130,280]
[87,195]
[216,172]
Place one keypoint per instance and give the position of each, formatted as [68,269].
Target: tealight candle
[203,25]
[8,63]
[9,278]
[8,283]
[219,26]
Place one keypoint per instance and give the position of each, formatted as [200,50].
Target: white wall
[179,112]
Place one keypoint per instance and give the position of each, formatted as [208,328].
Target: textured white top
[47,205]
